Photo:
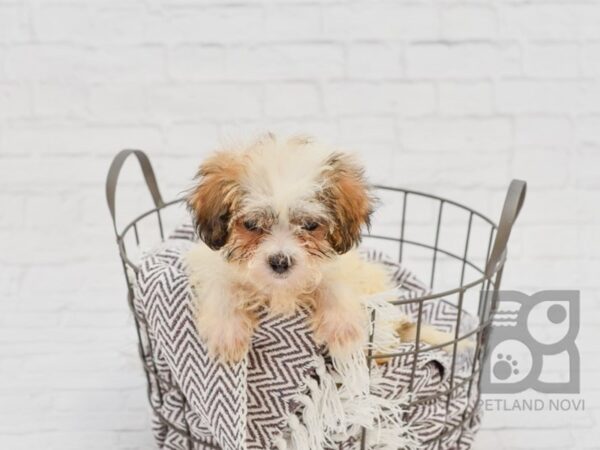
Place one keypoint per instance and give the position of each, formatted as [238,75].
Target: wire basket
[460,251]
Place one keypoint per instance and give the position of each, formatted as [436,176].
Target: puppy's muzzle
[280,263]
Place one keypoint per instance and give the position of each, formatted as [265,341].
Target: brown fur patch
[315,242]
[215,196]
[348,197]
[242,243]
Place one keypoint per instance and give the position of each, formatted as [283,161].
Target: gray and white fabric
[249,405]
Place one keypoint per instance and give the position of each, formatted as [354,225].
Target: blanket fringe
[338,405]
[384,319]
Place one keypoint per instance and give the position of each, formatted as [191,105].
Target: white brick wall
[451,97]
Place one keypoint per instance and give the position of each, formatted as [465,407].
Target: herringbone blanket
[287,394]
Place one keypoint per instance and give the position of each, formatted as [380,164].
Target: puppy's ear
[349,199]
[216,194]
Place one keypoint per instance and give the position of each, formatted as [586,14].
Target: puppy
[278,222]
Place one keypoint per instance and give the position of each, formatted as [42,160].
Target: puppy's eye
[250,225]
[310,226]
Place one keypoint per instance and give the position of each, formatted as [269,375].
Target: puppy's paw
[229,349]
[342,335]
[229,341]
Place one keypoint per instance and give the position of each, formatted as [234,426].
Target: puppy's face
[278,209]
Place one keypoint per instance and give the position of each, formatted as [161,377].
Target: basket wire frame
[487,283]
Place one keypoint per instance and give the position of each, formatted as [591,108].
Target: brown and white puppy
[278,221]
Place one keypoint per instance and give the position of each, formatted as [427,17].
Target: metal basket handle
[113,177]
[515,197]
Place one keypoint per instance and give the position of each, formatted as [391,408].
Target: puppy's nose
[280,263]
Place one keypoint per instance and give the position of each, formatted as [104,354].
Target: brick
[292,22]
[372,61]
[14,23]
[292,100]
[69,139]
[588,15]
[468,22]
[586,440]
[564,242]
[64,440]
[457,98]
[133,439]
[16,100]
[487,439]
[121,23]
[14,171]
[589,98]
[59,62]
[61,22]
[127,63]
[556,206]
[460,135]
[10,277]
[55,211]
[552,60]
[285,62]
[465,60]
[123,101]
[591,59]
[209,101]
[13,205]
[60,100]
[456,170]
[539,21]
[542,272]
[368,129]
[213,24]
[411,99]
[546,132]
[197,63]
[588,132]
[96,24]
[29,319]
[585,171]
[539,97]
[542,169]
[548,439]
[380,20]
[46,63]
[192,139]
[405,99]
[67,401]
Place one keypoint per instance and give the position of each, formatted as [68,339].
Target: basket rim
[485,277]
